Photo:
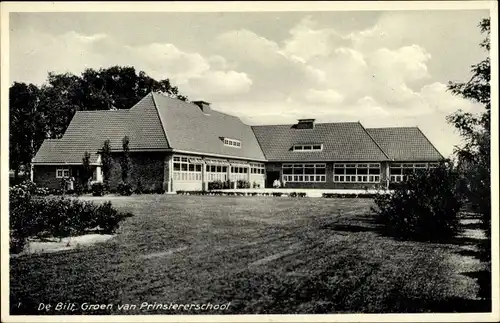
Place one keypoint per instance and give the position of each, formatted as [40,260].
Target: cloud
[329,97]
[214,84]
[307,41]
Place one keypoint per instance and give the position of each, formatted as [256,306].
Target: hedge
[41,216]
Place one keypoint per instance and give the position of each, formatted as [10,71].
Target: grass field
[262,254]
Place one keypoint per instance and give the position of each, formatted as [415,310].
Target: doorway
[271,176]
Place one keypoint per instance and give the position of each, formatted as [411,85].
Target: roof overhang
[214,155]
[61,164]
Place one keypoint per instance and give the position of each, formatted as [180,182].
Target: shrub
[139,188]
[79,189]
[98,189]
[242,184]
[57,217]
[215,185]
[425,207]
[108,218]
[124,189]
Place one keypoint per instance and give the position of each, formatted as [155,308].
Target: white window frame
[307,147]
[188,171]
[397,178]
[63,171]
[303,177]
[343,177]
[232,143]
[257,169]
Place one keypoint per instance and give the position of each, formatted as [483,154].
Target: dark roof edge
[258,143]
[430,142]
[159,118]
[376,143]
[292,124]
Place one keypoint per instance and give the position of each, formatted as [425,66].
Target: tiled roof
[160,122]
[89,129]
[148,125]
[189,129]
[405,144]
[347,141]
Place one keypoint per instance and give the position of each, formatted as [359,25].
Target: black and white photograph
[250,161]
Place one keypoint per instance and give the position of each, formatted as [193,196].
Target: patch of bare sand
[69,243]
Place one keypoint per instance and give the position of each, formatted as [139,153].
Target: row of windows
[314,147]
[257,168]
[304,172]
[232,142]
[357,173]
[304,178]
[399,172]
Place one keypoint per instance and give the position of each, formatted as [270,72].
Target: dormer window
[232,142]
[308,147]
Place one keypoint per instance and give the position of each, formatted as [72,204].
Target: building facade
[177,145]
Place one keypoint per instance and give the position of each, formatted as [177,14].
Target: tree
[86,169]
[106,161]
[27,126]
[125,159]
[474,154]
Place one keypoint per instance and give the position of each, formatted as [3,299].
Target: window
[62,172]
[308,147]
[399,172]
[232,142]
[257,168]
[304,172]
[187,168]
[356,173]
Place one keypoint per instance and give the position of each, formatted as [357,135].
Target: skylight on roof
[309,147]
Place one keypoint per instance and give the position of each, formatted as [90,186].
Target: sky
[382,68]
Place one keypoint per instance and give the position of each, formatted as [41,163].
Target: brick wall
[45,175]
[146,166]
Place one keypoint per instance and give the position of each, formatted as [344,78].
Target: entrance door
[271,176]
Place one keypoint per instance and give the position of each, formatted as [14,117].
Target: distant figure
[283,182]
[71,183]
[276,183]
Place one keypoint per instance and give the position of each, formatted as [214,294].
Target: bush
[242,184]
[56,217]
[140,188]
[425,207]
[124,189]
[98,189]
[78,188]
[215,185]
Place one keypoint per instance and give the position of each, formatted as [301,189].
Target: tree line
[41,112]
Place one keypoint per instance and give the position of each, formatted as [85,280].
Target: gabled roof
[157,122]
[88,130]
[346,141]
[188,128]
[405,144]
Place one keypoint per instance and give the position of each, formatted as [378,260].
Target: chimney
[204,106]
[305,124]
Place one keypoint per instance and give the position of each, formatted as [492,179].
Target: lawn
[263,254]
